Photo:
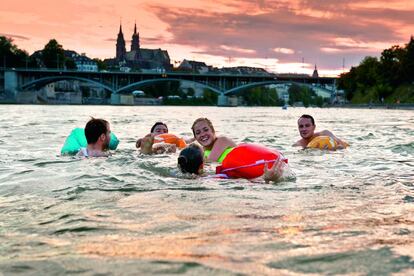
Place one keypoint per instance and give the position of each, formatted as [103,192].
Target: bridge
[117,83]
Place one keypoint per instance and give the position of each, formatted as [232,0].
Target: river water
[347,212]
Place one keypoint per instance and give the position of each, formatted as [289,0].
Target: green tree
[407,62]
[190,92]
[390,65]
[70,64]
[210,97]
[304,94]
[53,54]
[261,96]
[10,55]
[101,64]
[373,80]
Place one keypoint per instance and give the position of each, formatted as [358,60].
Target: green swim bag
[77,140]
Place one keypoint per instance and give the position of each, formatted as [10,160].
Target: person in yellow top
[306,127]
[215,147]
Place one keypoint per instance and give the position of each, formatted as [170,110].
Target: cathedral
[138,58]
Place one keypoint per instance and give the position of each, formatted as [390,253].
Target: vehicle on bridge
[138,93]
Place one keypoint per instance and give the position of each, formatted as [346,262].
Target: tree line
[52,56]
[387,79]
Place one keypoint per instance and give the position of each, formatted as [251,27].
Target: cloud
[284,51]
[237,49]
[158,40]
[14,36]
[287,30]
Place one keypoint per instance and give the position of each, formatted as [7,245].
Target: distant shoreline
[409,106]
[403,106]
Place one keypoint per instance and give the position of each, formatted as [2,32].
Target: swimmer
[147,144]
[306,127]
[215,147]
[191,160]
[157,128]
[98,134]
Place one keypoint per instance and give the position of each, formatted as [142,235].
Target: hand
[146,144]
[164,148]
[138,143]
[275,172]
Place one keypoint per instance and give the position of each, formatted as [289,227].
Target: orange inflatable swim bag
[325,142]
[248,161]
[169,138]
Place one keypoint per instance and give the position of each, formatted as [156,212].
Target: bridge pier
[11,84]
[115,99]
[222,100]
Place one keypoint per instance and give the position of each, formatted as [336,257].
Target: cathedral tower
[120,46]
[135,40]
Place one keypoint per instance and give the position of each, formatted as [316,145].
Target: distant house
[194,66]
[244,70]
[83,63]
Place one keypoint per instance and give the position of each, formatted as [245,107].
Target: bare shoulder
[296,144]
[223,140]
[300,143]
[324,132]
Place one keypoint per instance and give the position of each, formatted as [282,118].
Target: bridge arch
[46,80]
[249,85]
[238,89]
[152,81]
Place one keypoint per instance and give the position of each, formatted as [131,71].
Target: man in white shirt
[98,134]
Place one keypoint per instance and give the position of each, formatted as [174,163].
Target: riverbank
[404,106]
[355,106]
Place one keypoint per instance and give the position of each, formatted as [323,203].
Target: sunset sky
[280,35]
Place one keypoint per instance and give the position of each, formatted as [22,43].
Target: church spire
[315,73]
[120,45]
[135,40]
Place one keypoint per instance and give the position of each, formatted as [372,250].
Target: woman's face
[204,134]
[160,129]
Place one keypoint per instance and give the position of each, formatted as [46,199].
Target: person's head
[204,132]
[98,131]
[191,159]
[306,126]
[159,128]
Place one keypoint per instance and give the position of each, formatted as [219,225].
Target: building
[244,70]
[83,63]
[137,57]
[194,66]
[315,73]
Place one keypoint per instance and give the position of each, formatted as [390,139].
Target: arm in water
[147,146]
[275,173]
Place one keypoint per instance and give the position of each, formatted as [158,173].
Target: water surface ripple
[348,212]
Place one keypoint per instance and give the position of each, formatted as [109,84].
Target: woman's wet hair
[157,124]
[209,123]
[191,159]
